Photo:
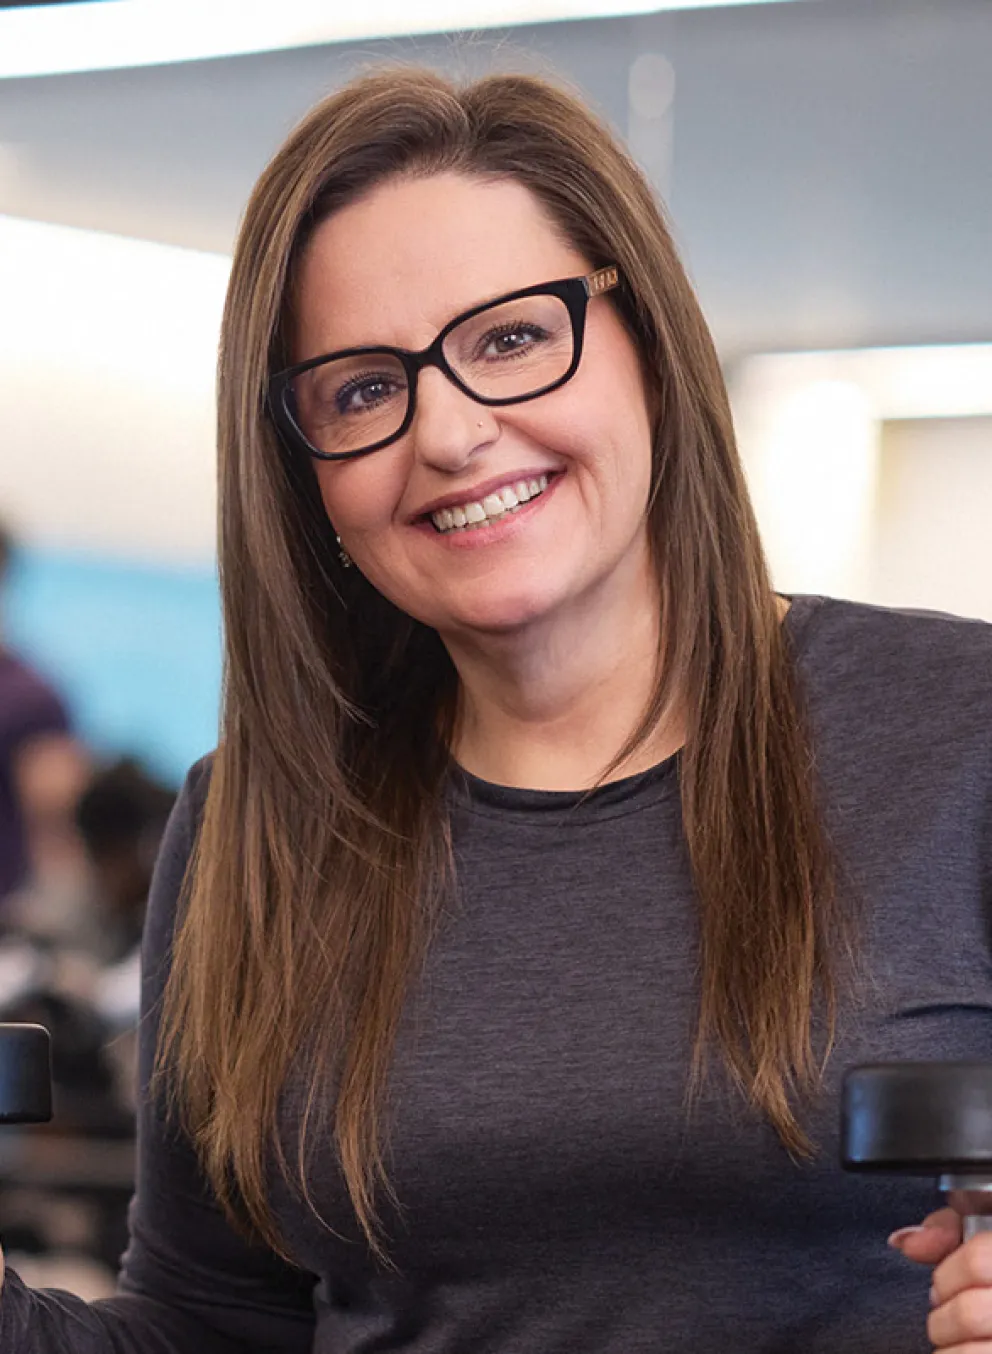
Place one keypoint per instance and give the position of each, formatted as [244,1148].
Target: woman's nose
[449,427]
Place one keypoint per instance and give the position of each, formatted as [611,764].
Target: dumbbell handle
[25,1074]
[973,1200]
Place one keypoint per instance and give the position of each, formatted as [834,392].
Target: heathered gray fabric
[555,1199]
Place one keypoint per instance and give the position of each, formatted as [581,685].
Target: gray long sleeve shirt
[556,1199]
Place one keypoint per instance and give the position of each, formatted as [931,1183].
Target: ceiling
[825,163]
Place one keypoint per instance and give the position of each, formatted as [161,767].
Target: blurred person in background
[84,986]
[121,816]
[85,991]
[43,767]
[502,964]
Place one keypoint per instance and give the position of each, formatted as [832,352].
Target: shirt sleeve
[188,1280]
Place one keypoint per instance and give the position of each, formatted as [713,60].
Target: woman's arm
[188,1282]
[960,1321]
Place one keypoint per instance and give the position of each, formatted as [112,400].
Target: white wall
[107,356]
[871,472]
[932,537]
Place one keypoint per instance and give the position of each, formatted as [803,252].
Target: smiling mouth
[483,511]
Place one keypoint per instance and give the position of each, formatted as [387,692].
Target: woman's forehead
[397,264]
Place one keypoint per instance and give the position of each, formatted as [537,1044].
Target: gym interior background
[825,167]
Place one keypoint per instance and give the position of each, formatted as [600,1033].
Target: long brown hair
[323,852]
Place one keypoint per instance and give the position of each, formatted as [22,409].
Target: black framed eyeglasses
[506,351]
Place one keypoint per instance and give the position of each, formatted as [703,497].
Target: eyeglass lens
[506,352]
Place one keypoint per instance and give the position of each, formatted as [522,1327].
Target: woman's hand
[961,1319]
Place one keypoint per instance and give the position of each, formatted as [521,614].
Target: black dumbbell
[924,1118]
[25,1074]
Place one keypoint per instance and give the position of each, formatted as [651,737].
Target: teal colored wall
[135,651]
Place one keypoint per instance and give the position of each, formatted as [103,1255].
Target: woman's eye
[359,396]
[511,341]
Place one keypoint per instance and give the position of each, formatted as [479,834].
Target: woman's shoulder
[197,782]
[925,670]
[862,637]
[174,855]
[187,812]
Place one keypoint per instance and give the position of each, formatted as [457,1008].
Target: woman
[546,854]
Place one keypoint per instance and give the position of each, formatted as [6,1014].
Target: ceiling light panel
[109,34]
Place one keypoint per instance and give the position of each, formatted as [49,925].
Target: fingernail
[897,1238]
[934,1299]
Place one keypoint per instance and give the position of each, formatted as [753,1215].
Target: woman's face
[393,268]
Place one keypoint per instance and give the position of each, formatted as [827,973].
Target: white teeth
[469,516]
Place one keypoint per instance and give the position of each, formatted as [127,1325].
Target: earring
[343,556]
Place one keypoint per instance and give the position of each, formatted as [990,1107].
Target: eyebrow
[451,315]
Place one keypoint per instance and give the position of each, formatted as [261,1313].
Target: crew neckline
[628,794]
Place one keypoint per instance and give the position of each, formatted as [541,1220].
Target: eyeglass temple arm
[603,279]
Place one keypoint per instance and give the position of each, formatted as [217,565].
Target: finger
[964,1323]
[968,1268]
[969,1347]
[932,1241]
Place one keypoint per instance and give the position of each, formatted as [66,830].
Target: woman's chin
[497,616]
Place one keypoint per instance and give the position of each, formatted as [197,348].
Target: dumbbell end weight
[918,1118]
[25,1074]
[927,1119]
